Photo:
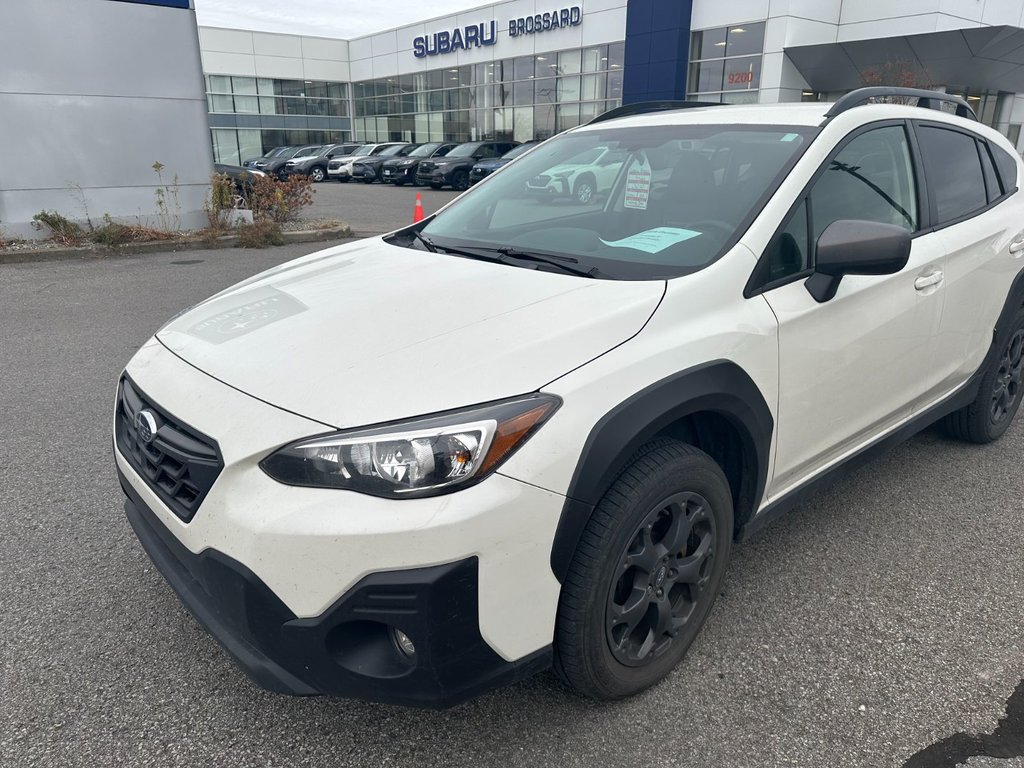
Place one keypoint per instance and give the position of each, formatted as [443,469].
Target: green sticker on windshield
[789,137]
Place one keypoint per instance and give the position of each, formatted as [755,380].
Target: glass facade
[524,98]
[249,115]
[725,64]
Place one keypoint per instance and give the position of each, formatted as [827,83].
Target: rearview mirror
[855,247]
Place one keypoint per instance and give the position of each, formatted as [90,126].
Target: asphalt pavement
[372,209]
[880,620]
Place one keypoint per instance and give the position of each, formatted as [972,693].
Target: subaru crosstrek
[419,466]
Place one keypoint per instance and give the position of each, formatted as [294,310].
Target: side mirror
[854,247]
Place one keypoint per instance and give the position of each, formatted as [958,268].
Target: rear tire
[999,394]
[645,573]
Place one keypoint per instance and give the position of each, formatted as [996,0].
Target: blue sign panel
[657,50]
[166,3]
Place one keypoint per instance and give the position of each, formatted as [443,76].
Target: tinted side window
[955,179]
[871,178]
[1006,166]
[988,170]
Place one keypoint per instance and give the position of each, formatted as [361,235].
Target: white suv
[591,172]
[415,467]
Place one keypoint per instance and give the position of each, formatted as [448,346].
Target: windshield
[366,149]
[517,151]
[636,203]
[464,150]
[389,151]
[425,150]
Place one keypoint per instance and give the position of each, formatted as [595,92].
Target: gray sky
[324,18]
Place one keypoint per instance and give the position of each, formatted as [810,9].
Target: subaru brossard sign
[479,35]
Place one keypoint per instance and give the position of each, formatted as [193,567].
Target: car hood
[491,164]
[370,332]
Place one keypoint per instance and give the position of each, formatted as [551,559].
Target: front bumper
[345,172]
[301,556]
[348,650]
[392,174]
[436,176]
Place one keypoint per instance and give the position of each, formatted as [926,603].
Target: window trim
[934,226]
[755,283]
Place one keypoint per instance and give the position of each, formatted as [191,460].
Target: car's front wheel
[584,189]
[999,394]
[646,572]
[316,173]
[460,181]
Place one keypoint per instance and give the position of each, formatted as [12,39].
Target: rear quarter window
[1006,165]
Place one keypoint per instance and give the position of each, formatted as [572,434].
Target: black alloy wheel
[665,568]
[460,181]
[999,392]
[646,571]
[1007,381]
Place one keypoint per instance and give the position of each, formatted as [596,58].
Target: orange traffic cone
[417,212]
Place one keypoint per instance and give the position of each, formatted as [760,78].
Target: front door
[857,364]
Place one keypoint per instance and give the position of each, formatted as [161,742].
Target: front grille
[427,166]
[179,464]
[334,164]
[539,181]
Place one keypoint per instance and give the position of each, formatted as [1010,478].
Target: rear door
[857,364]
[980,221]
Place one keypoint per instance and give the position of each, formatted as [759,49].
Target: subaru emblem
[145,426]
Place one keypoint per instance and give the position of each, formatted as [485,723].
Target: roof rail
[925,100]
[644,107]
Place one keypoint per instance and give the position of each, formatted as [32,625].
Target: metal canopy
[990,58]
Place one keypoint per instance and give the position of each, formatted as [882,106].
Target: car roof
[811,114]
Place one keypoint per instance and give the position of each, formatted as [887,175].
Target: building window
[725,63]
[524,98]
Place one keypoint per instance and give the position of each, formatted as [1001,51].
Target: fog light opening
[403,643]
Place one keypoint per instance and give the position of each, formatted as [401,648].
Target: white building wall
[94,110]
[266,54]
[391,53]
[811,22]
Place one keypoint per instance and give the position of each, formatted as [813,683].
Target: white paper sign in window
[638,185]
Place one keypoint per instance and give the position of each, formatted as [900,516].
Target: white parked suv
[340,168]
[591,172]
[419,466]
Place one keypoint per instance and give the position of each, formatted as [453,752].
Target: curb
[159,246]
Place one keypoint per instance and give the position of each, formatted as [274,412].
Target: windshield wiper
[563,263]
[503,254]
[427,242]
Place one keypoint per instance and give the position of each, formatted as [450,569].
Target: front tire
[645,574]
[999,394]
[460,181]
[317,174]
[584,190]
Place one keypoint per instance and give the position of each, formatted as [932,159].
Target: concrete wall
[93,93]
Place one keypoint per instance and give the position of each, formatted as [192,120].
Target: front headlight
[420,457]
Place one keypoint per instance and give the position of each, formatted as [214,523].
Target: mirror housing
[856,247]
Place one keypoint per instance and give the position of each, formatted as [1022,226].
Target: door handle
[1017,245]
[927,281]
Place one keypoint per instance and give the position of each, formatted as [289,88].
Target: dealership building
[528,69]
[140,87]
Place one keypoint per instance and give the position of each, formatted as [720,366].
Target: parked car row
[436,164]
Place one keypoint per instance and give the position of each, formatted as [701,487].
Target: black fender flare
[721,387]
